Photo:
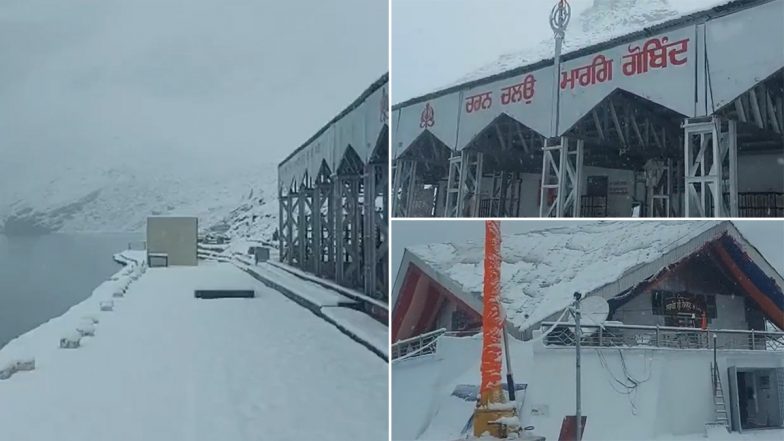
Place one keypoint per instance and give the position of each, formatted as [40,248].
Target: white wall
[175,236]
[674,396]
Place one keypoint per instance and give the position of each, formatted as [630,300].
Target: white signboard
[744,48]
[660,69]
[376,117]
[308,160]
[527,98]
[359,129]
[350,132]
[439,116]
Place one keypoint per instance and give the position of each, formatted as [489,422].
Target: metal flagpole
[559,20]
[578,335]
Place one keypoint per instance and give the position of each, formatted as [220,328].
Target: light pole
[578,335]
[559,20]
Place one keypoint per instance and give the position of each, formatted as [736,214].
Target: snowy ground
[329,303]
[672,402]
[165,366]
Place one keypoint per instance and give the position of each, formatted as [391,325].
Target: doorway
[755,398]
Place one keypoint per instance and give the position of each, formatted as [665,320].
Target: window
[459,320]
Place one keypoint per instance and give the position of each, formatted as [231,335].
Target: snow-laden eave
[642,273]
[629,280]
[646,272]
[756,256]
[410,258]
[728,8]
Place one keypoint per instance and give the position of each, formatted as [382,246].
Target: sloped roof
[542,269]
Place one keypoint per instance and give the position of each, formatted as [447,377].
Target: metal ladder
[719,404]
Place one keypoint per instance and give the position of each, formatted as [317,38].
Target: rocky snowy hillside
[241,202]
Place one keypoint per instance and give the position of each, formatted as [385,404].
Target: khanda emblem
[428,117]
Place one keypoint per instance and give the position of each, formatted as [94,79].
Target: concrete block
[86,329]
[7,370]
[25,364]
[90,318]
[71,341]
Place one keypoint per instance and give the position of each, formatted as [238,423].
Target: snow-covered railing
[665,337]
[417,345]
[423,344]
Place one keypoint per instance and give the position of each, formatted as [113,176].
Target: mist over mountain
[113,110]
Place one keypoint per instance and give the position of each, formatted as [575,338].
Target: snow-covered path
[166,366]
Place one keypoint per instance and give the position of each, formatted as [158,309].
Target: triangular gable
[768,282]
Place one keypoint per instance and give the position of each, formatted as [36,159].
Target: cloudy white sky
[109,82]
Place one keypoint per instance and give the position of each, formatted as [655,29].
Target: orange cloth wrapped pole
[492,319]
[491,416]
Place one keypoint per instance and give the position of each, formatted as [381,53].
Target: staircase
[719,403]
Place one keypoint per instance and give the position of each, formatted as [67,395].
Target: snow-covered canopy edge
[358,126]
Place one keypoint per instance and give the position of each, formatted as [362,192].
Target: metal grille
[424,343]
[664,337]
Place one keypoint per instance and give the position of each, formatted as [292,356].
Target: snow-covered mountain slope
[113,110]
[226,197]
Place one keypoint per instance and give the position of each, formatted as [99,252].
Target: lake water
[42,276]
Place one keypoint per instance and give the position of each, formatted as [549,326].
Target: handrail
[670,328]
[612,335]
[419,337]
[422,344]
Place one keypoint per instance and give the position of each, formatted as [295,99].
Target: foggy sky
[142,81]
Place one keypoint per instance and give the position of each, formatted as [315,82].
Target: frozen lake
[42,276]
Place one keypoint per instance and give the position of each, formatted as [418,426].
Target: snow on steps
[350,293]
[362,326]
[327,304]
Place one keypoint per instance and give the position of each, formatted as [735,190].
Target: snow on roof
[542,269]
[592,23]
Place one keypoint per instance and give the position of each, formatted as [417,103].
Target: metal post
[559,21]
[578,334]
[715,366]
[657,336]
[733,167]
[601,343]
[510,385]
